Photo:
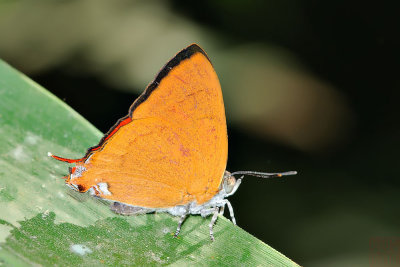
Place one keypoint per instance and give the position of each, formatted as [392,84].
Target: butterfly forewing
[174,150]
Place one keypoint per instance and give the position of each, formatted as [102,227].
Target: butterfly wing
[172,149]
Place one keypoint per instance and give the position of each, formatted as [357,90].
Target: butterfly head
[230,183]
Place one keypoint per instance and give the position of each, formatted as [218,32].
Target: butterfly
[169,153]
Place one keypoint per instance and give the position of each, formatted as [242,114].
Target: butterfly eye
[229,183]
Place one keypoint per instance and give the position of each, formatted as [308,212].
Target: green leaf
[44,222]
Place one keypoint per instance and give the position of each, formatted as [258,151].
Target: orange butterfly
[169,153]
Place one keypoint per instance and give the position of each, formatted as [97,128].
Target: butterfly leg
[231,213]
[213,220]
[181,220]
[222,209]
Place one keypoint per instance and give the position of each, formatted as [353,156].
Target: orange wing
[173,147]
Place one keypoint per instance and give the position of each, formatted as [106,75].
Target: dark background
[346,193]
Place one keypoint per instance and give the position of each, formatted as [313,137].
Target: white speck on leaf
[31,139]
[45,214]
[154,257]
[80,249]
[19,154]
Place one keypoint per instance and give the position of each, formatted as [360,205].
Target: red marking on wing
[124,122]
[105,138]
[66,160]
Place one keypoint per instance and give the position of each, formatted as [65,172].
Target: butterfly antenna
[264,174]
[63,159]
